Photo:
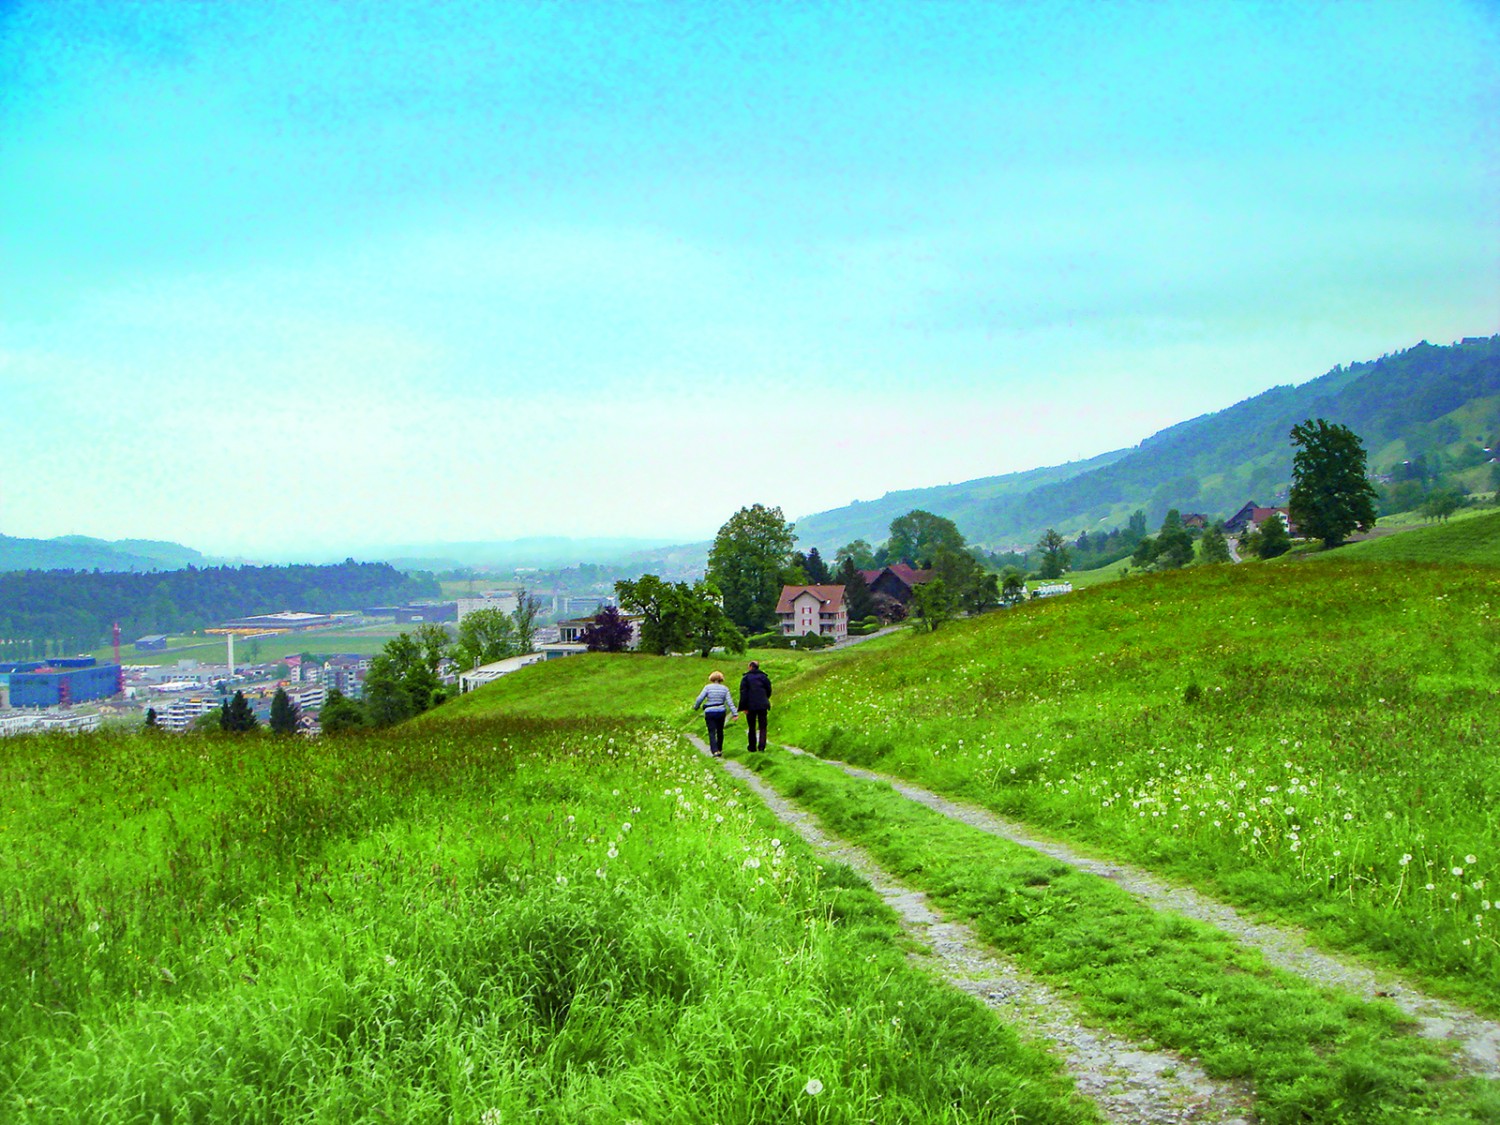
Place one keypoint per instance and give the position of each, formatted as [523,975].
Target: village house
[1251,516]
[895,581]
[813,609]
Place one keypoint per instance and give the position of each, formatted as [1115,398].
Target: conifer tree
[236,716]
[283,713]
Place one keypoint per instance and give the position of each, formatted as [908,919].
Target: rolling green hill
[1426,399]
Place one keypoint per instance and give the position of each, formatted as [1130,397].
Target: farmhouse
[1251,516]
[895,581]
[813,609]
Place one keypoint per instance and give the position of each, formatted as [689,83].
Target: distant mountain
[79,552]
[966,504]
[507,554]
[1440,402]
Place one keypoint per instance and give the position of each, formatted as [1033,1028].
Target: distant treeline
[51,612]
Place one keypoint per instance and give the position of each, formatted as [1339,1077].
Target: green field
[451,920]
[1283,736]
[363,641]
[480,922]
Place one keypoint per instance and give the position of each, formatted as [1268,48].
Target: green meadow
[538,902]
[1314,742]
[487,921]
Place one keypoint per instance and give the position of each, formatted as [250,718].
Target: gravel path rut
[1477,1038]
[1131,1083]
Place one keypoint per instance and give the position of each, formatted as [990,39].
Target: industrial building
[60,681]
[284,622]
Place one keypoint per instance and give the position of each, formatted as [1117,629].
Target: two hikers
[717,706]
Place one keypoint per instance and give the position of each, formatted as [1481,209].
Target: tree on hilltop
[917,536]
[1055,555]
[1331,496]
[748,562]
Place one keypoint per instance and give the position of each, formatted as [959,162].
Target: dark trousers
[754,719]
[715,721]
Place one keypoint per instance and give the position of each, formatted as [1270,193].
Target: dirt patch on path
[1477,1038]
[1131,1084]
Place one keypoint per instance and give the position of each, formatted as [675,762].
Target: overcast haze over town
[312,276]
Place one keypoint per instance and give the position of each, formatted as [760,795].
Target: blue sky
[281,277]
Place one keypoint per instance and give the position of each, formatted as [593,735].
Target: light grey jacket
[715,697]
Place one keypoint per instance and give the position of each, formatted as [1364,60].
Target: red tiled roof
[831,597]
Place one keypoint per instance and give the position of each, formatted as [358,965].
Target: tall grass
[486,921]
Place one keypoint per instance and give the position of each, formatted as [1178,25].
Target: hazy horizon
[306,277]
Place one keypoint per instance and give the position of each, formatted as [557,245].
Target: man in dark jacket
[755,704]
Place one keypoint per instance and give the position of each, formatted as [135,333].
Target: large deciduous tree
[403,679]
[932,606]
[747,563]
[1055,555]
[1174,543]
[711,627]
[1215,545]
[666,621]
[917,536]
[864,555]
[485,636]
[969,586]
[528,609]
[1331,495]
[1271,539]
[339,714]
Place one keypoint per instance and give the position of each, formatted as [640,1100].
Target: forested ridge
[1426,401]
[47,612]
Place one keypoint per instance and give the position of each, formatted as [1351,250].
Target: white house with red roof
[813,609]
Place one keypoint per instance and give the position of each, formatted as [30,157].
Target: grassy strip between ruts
[488,921]
[1312,1055]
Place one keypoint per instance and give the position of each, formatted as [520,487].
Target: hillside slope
[1424,399]
[1475,539]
